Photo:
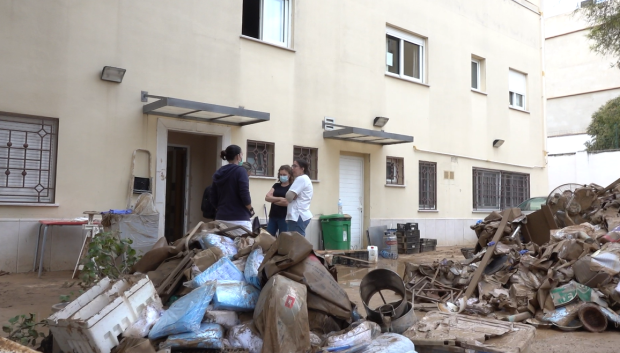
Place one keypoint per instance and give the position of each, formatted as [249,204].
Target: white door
[352,195]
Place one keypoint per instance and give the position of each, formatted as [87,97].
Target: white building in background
[461,79]
[577,83]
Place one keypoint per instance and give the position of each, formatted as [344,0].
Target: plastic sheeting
[148,317]
[226,318]
[251,267]
[141,229]
[235,295]
[360,332]
[207,336]
[223,269]
[245,337]
[390,343]
[185,314]
[225,244]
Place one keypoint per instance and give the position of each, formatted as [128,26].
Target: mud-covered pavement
[25,293]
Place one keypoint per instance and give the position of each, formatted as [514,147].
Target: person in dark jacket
[230,193]
[208,211]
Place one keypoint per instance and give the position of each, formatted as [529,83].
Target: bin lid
[335,217]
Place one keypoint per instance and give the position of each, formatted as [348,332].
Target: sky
[557,7]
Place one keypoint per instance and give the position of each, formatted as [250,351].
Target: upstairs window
[267,20]
[28,154]
[517,89]
[404,55]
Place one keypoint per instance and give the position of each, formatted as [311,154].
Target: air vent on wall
[448,174]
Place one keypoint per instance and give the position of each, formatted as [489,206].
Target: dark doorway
[176,174]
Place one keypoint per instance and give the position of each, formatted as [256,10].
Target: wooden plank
[487,256]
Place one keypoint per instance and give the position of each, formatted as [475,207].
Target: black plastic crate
[409,239]
[406,226]
[415,245]
[408,233]
[408,251]
[428,242]
[426,248]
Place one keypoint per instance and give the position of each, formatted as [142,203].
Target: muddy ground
[25,293]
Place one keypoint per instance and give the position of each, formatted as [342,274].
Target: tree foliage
[604,18]
[605,127]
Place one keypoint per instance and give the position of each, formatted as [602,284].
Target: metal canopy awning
[190,110]
[357,134]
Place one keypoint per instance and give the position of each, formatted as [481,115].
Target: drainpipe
[543,82]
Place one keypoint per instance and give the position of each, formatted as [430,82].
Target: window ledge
[30,204]
[406,79]
[315,181]
[519,109]
[479,92]
[267,43]
[483,211]
[429,211]
[395,186]
[262,177]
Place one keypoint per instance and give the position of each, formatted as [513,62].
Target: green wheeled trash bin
[336,231]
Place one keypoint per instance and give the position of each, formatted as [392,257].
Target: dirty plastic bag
[148,317]
[564,315]
[245,337]
[235,295]
[609,262]
[208,336]
[240,263]
[390,343]
[226,318]
[223,269]
[145,205]
[251,267]
[315,340]
[185,314]
[225,244]
[358,333]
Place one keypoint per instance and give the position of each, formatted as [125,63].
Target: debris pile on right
[557,267]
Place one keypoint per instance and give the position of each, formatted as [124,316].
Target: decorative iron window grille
[311,156]
[395,171]
[498,190]
[260,155]
[28,154]
[428,186]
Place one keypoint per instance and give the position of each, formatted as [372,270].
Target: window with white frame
[404,55]
[267,20]
[28,155]
[260,156]
[475,74]
[517,89]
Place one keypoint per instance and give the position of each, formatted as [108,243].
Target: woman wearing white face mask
[277,197]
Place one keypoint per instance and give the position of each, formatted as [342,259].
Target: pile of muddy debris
[559,266]
[223,288]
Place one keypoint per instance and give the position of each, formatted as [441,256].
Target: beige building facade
[462,78]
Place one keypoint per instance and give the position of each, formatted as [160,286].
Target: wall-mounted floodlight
[497,143]
[380,121]
[112,74]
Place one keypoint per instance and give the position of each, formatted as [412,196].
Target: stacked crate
[408,237]
[428,245]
